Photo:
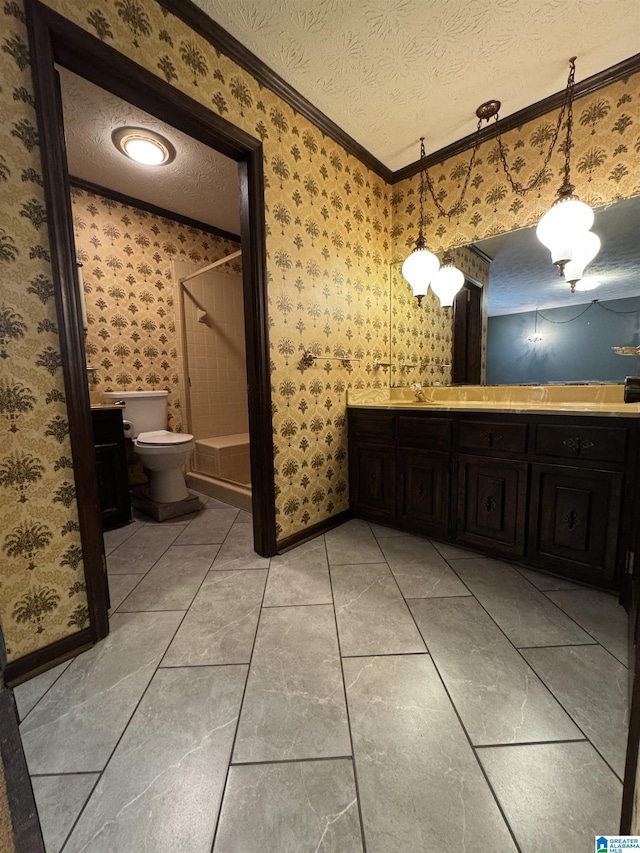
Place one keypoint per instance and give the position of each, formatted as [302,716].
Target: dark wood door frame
[54,39]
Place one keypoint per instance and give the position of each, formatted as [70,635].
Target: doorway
[53,40]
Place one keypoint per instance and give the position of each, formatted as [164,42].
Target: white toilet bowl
[162,453]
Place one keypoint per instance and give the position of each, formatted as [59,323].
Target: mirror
[574,333]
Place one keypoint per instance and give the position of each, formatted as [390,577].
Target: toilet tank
[146,411]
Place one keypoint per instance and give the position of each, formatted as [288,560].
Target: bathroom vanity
[549,483]
[111,464]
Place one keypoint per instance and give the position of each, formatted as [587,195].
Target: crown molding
[223,41]
[96,189]
[586,87]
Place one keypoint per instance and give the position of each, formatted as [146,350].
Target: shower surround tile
[399,714]
[308,805]
[372,616]
[163,786]
[91,703]
[294,705]
[220,626]
[499,698]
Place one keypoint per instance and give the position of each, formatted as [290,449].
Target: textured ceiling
[200,183]
[522,277]
[390,71]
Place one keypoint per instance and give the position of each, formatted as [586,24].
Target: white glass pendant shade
[446,283]
[419,268]
[560,226]
[587,284]
[585,249]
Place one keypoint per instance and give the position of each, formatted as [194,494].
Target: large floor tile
[75,727]
[420,785]
[114,538]
[209,528]
[455,552]
[162,789]
[294,703]
[372,616]
[557,797]
[237,551]
[352,542]
[142,550]
[420,570]
[382,532]
[593,687]
[119,588]
[524,613]
[296,806]
[301,576]
[60,800]
[546,582]
[600,614]
[220,626]
[499,698]
[28,695]
[174,580]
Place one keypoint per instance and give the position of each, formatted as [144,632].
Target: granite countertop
[600,400]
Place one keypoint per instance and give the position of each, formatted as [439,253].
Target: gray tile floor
[366,691]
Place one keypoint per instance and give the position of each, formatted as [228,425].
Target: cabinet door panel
[373,480]
[492,503]
[574,520]
[424,491]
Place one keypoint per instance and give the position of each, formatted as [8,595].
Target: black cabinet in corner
[373,481]
[424,491]
[111,467]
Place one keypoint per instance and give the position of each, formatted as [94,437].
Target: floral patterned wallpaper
[42,592]
[333,228]
[126,255]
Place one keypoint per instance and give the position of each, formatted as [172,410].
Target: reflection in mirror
[422,335]
[573,333]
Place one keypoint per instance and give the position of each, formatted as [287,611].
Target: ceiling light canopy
[143,146]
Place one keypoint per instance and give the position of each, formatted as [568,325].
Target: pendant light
[562,228]
[447,282]
[421,265]
[585,248]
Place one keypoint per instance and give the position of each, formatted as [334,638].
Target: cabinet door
[492,496]
[574,521]
[112,485]
[424,491]
[373,481]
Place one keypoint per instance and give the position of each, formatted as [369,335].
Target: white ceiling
[390,71]
[200,183]
[522,277]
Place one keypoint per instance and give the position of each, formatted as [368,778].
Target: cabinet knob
[578,444]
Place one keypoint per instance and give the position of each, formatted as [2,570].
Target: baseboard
[41,660]
[231,493]
[315,530]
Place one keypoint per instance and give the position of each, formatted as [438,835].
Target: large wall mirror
[537,331]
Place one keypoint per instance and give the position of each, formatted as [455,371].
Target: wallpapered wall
[42,597]
[126,255]
[332,229]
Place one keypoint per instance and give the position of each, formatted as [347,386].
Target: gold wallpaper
[332,229]
[42,592]
[126,255]
[605,162]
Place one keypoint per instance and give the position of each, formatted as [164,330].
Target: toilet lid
[163,436]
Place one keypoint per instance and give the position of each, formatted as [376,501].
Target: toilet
[161,452]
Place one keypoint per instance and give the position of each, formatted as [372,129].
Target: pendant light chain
[457,207]
[566,109]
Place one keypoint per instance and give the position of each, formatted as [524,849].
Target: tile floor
[367,691]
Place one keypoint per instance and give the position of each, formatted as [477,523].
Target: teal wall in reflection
[578,351]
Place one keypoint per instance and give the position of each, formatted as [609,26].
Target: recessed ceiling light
[587,284]
[143,146]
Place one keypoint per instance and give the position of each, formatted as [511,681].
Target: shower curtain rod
[217,263]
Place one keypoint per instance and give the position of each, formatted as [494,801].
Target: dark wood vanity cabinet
[552,491]
[111,465]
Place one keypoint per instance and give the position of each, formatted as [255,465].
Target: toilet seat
[163,438]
